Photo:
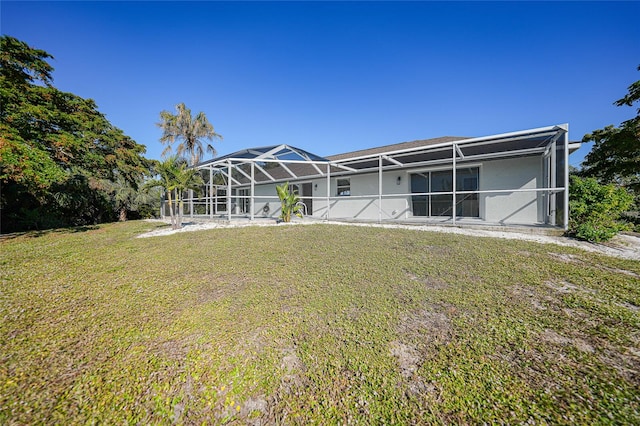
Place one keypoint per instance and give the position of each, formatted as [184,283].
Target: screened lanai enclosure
[511,178]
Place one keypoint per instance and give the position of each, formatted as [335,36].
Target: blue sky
[339,76]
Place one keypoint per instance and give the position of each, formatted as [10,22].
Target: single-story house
[511,178]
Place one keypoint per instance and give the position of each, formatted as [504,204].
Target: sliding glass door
[430,183]
[467,205]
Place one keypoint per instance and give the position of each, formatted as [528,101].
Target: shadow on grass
[41,233]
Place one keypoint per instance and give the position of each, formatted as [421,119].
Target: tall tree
[175,177]
[615,156]
[55,147]
[188,131]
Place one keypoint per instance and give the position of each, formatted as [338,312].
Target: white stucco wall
[269,197]
[517,207]
[361,204]
[508,208]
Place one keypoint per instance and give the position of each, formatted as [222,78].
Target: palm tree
[123,196]
[166,171]
[186,179]
[176,177]
[189,130]
[127,198]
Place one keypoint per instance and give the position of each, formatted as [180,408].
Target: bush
[596,209]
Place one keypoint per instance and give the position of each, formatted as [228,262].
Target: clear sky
[339,76]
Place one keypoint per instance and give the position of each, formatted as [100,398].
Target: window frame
[343,190]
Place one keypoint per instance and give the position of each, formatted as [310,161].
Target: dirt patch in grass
[555,338]
[211,293]
[626,362]
[566,258]
[251,343]
[288,300]
[172,349]
[577,260]
[269,409]
[253,409]
[428,326]
[409,361]
[291,364]
[429,282]
[408,358]
[293,378]
[421,332]
[621,271]
[562,286]
[630,306]
[528,296]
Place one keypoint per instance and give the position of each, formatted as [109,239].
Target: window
[343,187]
[244,200]
[442,181]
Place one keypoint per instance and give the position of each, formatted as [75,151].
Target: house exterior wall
[363,202]
[266,196]
[516,207]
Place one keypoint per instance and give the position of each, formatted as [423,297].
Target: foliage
[189,130]
[596,209]
[52,141]
[615,156]
[176,177]
[364,326]
[289,202]
[127,200]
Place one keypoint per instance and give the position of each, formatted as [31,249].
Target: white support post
[328,190]
[229,190]
[453,196]
[191,203]
[546,179]
[566,179]
[553,183]
[210,192]
[251,203]
[380,189]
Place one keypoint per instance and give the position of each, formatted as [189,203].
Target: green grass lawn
[313,324]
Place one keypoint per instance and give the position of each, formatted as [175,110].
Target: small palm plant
[290,202]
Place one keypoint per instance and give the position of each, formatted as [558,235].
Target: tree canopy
[56,148]
[615,156]
[189,131]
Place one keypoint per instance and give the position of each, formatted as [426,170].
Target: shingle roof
[395,147]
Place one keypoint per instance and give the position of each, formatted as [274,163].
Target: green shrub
[596,209]
[290,202]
